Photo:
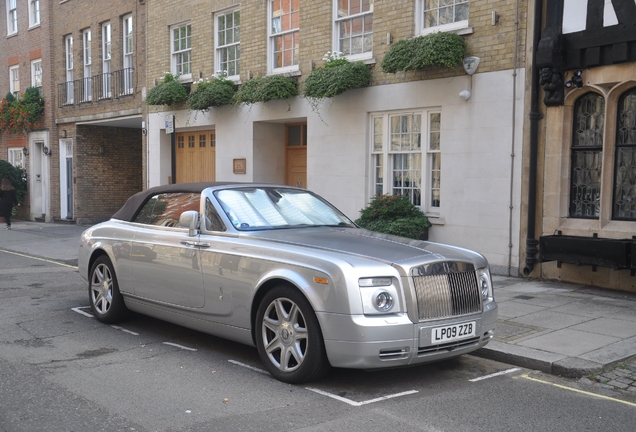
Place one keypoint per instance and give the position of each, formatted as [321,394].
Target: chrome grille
[446,290]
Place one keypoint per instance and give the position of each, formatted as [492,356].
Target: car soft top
[132,205]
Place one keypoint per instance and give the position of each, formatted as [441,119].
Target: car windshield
[272,207]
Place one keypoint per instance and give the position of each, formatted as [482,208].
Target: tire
[107,304]
[288,337]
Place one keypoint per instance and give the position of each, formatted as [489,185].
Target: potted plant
[335,77]
[212,93]
[263,89]
[439,49]
[394,214]
[168,92]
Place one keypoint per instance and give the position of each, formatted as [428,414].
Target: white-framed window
[284,35]
[353,28]
[87,57]
[228,43]
[68,57]
[14,80]
[36,73]
[127,39]
[406,156]
[16,157]
[181,52]
[12,17]
[34,12]
[106,58]
[441,15]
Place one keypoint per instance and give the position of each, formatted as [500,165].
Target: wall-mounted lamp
[576,80]
[389,38]
[494,18]
[47,151]
[464,94]
[25,152]
[63,133]
[101,149]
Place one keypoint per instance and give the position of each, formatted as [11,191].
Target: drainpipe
[512,140]
[535,116]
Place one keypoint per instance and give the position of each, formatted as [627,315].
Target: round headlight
[484,285]
[383,301]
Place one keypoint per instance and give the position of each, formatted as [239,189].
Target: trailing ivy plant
[23,114]
[213,93]
[168,92]
[335,77]
[439,49]
[263,89]
[393,214]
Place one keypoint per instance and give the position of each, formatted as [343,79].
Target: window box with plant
[264,89]
[335,77]
[216,92]
[22,115]
[437,49]
[394,214]
[168,92]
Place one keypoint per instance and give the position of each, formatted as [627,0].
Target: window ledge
[288,74]
[436,220]
[12,35]
[34,26]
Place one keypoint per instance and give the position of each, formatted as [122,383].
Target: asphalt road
[62,370]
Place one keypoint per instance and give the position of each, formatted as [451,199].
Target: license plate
[453,332]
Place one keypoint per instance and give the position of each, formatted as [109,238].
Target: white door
[66,178]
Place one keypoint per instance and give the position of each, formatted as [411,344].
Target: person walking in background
[8,199]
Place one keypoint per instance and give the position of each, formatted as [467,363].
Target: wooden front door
[196,156]
[296,155]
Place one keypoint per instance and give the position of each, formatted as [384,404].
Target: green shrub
[333,80]
[439,49]
[168,92]
[23,114]
[218,92]
[14,175]
[393,214]
[263,89]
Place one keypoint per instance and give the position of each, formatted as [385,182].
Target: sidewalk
[558,328]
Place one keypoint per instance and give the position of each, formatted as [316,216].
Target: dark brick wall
[107,170]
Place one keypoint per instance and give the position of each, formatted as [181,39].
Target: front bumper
[363,342]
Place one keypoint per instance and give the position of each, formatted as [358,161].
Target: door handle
[195,243]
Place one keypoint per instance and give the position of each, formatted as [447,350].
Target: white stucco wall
[476,143]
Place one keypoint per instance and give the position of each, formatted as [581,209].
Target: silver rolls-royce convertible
[279,268]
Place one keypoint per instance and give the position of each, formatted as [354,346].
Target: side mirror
[190,219]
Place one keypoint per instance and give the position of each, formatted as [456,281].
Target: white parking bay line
[179,346]
[81,312]
[249,367]
[124,330]
[495,374]
[354,403]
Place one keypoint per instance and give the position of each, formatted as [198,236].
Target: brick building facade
[26,62]
[480,183]
[98,72]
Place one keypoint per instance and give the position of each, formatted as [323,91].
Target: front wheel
[105,299]
[288,338]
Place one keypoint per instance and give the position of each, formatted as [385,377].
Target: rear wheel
[105,299]
[289,339]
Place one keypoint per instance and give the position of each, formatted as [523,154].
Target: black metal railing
[111,85]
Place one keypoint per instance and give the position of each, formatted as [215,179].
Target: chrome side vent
[394,353]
